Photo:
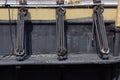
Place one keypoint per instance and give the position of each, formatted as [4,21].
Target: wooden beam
[118,15]
[49,14]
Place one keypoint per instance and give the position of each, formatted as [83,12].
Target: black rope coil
[100,31]
[60,30]
[20,42]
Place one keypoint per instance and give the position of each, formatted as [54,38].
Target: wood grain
[49,14]
[118,15]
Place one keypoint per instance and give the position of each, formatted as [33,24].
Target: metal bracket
[22,2]
[96,1]
[60,31]
[100,31]
[60,2]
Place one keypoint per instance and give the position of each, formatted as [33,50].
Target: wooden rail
[118,15]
